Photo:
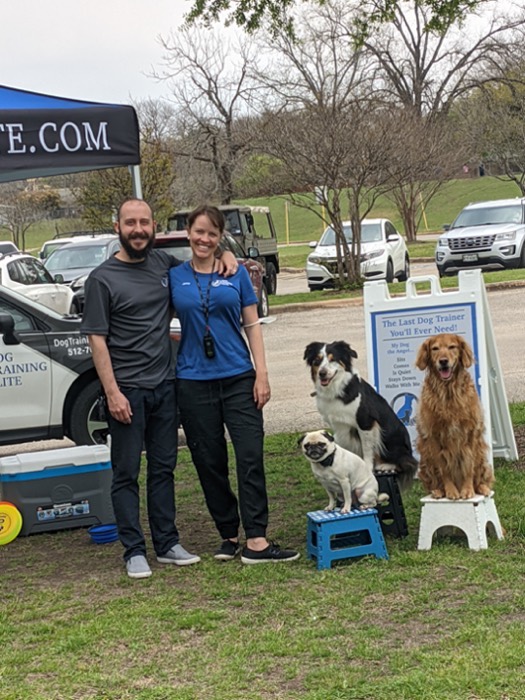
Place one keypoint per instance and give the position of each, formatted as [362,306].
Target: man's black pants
[153,427]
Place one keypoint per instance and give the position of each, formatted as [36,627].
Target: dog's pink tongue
[325,382]
[445,373]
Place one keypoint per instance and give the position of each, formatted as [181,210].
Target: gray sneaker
[179,556]
[138,567]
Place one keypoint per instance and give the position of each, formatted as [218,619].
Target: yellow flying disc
[10,522]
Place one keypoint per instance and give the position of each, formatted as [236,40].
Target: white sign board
[396,327]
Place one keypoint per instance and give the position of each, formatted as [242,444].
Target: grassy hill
[305,226]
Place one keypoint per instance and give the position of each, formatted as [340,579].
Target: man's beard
[132,252]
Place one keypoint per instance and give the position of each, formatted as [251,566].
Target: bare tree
[426,73]
[157,122]
[322,66]
[23,206]
[165,131]
[327,130]
[430,153]
[211,90]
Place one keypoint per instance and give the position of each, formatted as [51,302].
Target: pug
[343,474]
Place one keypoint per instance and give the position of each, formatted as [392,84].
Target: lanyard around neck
[205,299]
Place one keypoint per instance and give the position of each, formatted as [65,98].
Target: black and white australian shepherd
[360,418]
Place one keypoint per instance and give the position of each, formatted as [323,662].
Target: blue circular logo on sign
[404,406]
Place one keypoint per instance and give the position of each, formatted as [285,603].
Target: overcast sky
[99,50]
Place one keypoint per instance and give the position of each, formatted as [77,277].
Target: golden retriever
[450,429]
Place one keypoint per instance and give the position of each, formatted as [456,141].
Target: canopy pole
[135,177]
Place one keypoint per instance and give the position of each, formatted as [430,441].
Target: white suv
[486,235]
[384,254]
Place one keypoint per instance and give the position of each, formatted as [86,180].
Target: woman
[218,386]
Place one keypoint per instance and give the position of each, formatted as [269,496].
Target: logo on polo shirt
[221,283]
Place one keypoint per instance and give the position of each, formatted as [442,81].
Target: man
[126,317]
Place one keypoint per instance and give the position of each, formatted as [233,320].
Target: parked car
[177,243]
[48,383]
[384,254]
[74,261]
[49,388]
[8,247]
[59,240]
[487,235]
[49,247]
[26,275]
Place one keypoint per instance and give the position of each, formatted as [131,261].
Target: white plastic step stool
[472,516]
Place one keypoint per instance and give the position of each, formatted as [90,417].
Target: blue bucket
[103,534]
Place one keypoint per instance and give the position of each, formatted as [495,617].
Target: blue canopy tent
[42,135]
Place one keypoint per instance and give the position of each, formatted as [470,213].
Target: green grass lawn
[446,624]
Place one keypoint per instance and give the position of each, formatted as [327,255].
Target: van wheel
[86,426]
[263,307]
[271,278]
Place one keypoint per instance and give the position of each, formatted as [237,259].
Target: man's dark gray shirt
[129,304]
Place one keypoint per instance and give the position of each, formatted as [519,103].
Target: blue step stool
[335,535]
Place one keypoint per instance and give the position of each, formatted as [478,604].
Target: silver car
[384,254]
[74,261]
[486,235]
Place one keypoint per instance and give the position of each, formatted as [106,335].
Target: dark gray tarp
[42,135]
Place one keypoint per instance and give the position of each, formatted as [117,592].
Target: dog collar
[327,461]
